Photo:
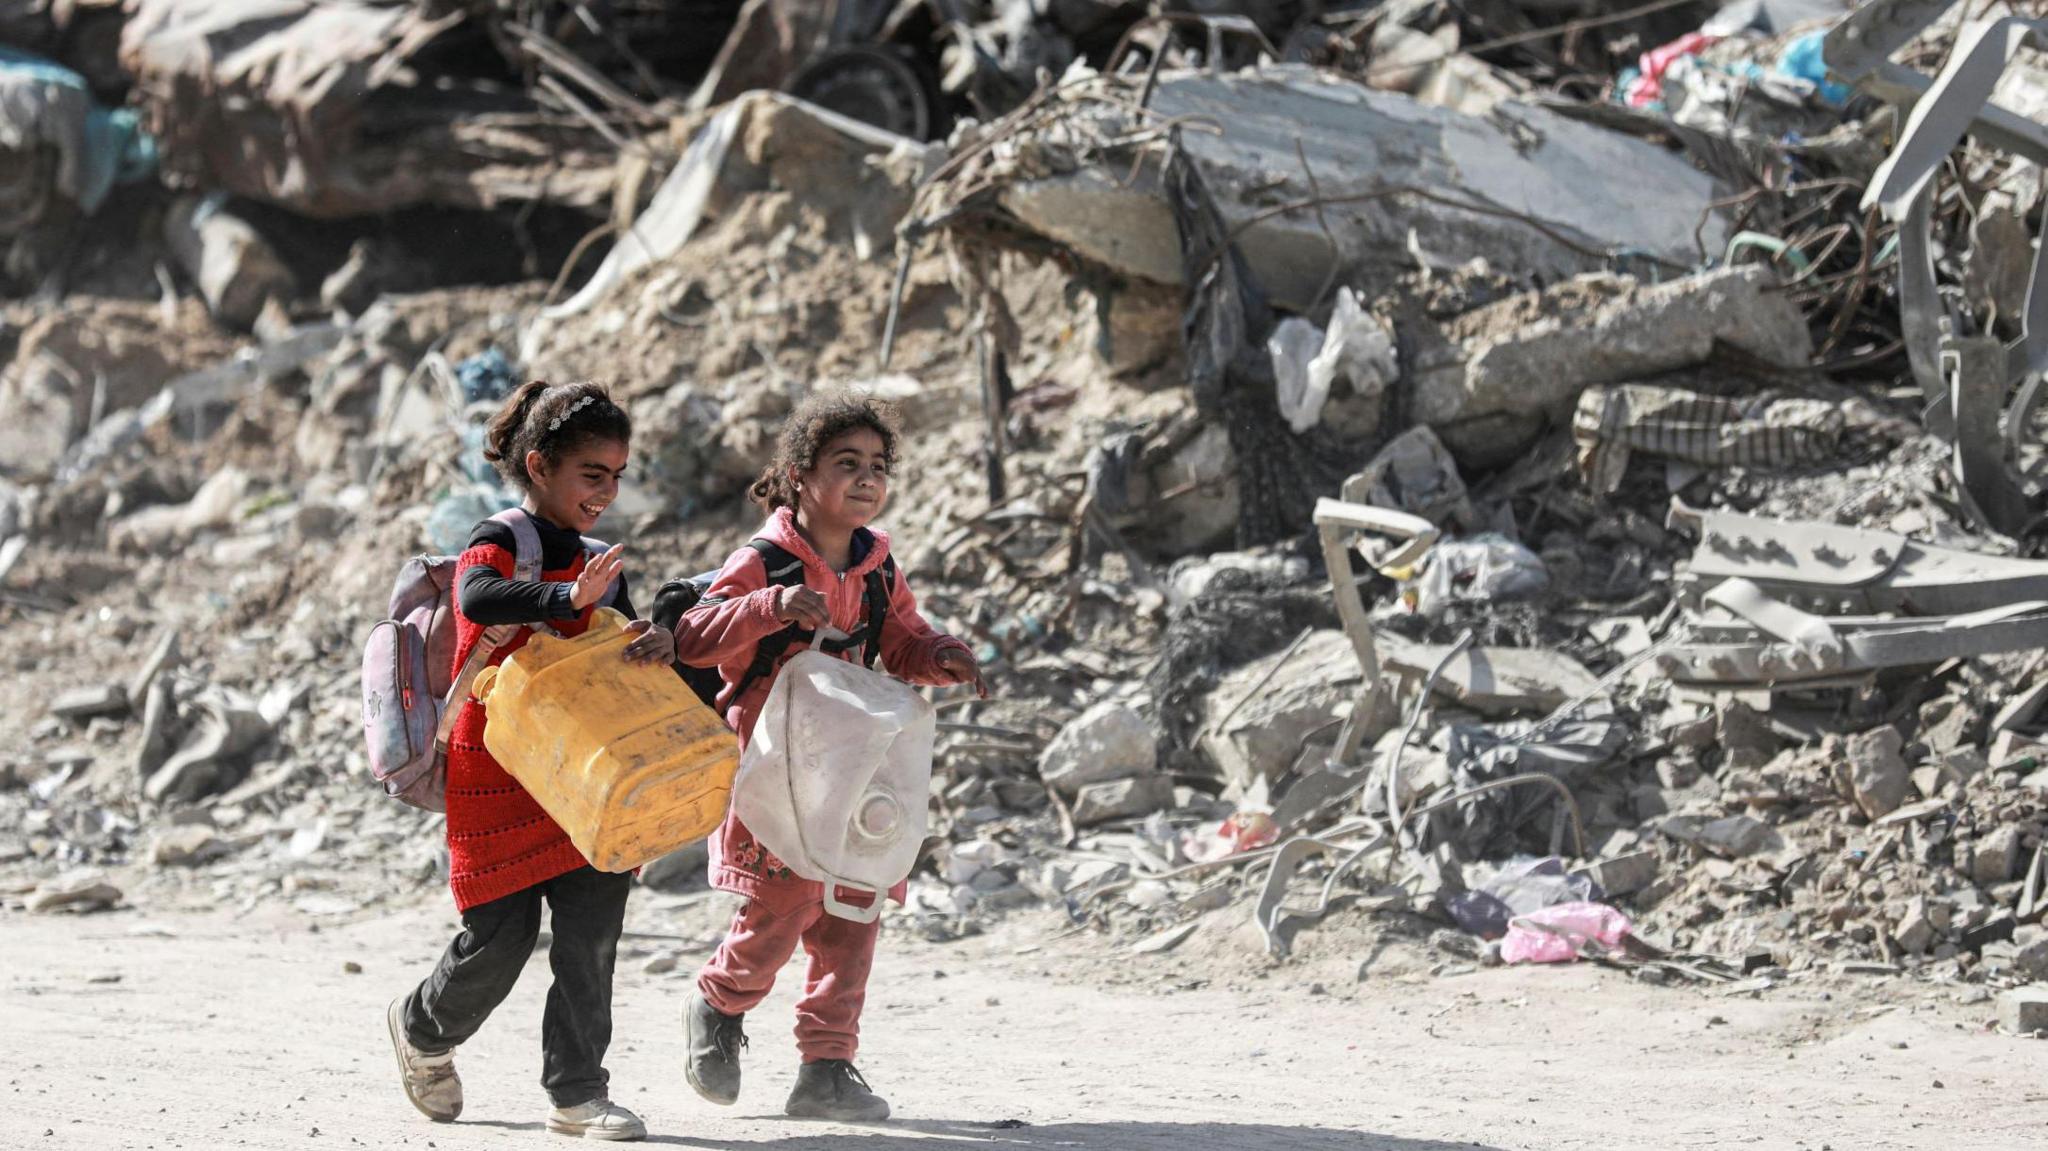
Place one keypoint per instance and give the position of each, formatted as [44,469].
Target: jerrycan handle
[835,907]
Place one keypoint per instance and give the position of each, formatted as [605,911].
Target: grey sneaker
[715,1040]
[832,1089]
[430,1079]
[597,1119]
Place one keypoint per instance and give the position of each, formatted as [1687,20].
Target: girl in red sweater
[829,481]
[566,447]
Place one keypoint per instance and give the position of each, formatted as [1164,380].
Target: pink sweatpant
[842,952]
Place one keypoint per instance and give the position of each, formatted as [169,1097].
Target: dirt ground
[136,1029]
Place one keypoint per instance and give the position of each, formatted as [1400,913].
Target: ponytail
[501,438]
[551,420]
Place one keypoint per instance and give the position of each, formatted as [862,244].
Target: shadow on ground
[959,1136]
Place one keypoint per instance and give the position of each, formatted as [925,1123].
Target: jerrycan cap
[877,816]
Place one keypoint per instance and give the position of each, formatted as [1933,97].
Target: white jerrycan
[836,777]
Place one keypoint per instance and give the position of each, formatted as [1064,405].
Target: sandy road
[133,1030]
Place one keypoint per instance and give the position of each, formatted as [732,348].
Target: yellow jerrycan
[624,756]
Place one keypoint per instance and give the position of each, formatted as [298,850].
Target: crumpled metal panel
[1964,385]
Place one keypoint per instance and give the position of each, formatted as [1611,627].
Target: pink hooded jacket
[739,610]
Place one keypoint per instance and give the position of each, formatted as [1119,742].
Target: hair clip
[555,424]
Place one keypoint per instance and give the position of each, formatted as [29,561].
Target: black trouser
[481,965]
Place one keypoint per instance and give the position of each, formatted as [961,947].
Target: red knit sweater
[499,839]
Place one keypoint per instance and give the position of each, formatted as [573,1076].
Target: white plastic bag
[836,777]
[1485,568]
[1357,347]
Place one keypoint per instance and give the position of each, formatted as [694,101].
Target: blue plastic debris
[1802,60]
[44,102]
[486,376]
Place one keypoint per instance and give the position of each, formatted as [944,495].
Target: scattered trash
[1437,494]
[1564,932]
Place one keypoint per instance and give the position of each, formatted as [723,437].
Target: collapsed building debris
[1435,375]
[334,109]
[1318,178]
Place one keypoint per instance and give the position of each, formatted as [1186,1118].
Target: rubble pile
[1547,488]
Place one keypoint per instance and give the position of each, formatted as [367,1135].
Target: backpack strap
[881,581]
[526,565]
[526,548]
[786,570]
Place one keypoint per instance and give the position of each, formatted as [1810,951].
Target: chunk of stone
[186,846]
[1915,930]
[1996,856]
[1259,716]
[1107,742]
[91,702]
[1625,874]
[1877,775]
[2023,1010]
[1122,799]
[75,893]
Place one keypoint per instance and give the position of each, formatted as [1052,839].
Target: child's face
[848,484]
[577,491]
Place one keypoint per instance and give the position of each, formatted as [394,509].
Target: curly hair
[552,420]
[821,418]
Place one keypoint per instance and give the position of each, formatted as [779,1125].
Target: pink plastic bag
[1556,934]
[1649,85]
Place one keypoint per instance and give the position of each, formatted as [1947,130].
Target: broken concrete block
[1877,775]
[1995,857]
[1964,764]
[1915,931]
[162,529]
[1257,718]
[1692,732]
[2023,1010]
[1732,837]
[74,893]
[1947,725]
[2030,952]
[1494,680]
[1930,782]
[1109,741]
[215,752]
[186,846]
[1624,875]
[1526,360]
[1122,799]
[1997,927]
[1288,121]
[91,702]
[1742,728]
[235,268]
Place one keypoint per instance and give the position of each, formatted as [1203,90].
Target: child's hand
[653,643]
[803,607]
[960,664]
[597,575]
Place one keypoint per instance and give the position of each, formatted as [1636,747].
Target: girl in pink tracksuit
[829,480]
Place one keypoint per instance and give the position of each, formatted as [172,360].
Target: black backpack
[679,596]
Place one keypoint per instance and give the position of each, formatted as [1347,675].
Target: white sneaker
[598,1119]
[430,1080]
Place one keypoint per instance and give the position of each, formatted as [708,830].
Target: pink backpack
[410,697]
